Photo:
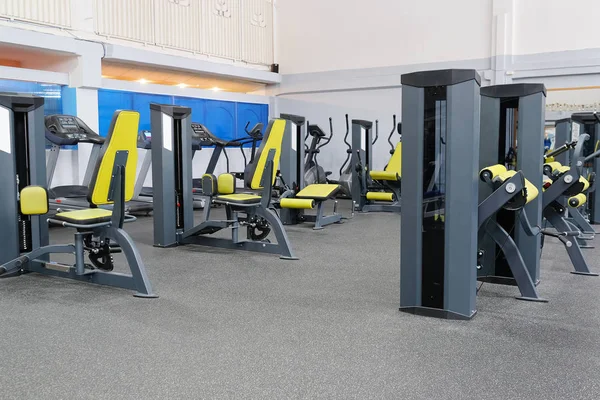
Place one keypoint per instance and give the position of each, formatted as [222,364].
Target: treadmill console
[69,127]
[205,137]
[315,130]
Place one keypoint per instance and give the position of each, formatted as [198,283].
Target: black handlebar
[391,133]
[565,147]
[376,132]
[349,150]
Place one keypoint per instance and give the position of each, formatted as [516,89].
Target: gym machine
[566,137]
[207,138]
[511,116]
[438,257]
[313,172]
[566,187]
[173,196]
[374,190]
[68,130]
[25,244]
[296,195]
[589,123]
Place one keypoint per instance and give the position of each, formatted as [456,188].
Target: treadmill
[207,138]
[65,130]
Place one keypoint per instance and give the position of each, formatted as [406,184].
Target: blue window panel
[251,114]
[220,118]
[50,92]
[110,101]
[141,104]
[198,107]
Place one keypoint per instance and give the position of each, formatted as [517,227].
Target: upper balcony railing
[240,30]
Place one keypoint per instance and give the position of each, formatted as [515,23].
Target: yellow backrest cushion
[395,164]
[123,137]
[274,140]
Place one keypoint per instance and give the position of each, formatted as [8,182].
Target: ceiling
[131,72]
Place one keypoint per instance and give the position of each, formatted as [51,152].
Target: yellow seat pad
[384,176]
[318,191]
[86,216]
[238,198]
[380,196]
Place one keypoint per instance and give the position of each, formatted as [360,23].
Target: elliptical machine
[345,180]
[313,172]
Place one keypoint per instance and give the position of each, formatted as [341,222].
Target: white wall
[316,35]
[555,25]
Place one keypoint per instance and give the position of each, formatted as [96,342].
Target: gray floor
[243,325]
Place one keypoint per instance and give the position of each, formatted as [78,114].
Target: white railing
[48,12]
[235,29]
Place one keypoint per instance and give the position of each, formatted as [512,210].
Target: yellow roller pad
[561,170]
[86,216]
[239,198]
[493,171]
[319,191]
[305,204]
[34,200]
[554,165]
[380,196]
[384,176]
[226,184]
[549,159]
[586,183]
[505,175]
[577,201]
[532,191]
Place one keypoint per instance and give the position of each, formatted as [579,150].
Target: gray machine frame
[446,288]
[530,100]
[291,169]
[25,237]
[589,123]
[362,154]
[173,193]
[563,136]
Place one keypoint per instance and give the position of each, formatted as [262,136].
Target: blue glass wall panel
[108,102]
[50,92]
[141,104]
[220,118]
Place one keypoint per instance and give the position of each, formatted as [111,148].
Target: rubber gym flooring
[243,325]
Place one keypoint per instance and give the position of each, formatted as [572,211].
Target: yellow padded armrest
[578,200]
[34,200]
[384,176]
[318,191]
[491,172]
[305,204]
[380,196]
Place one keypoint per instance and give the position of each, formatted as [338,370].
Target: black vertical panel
[177,154]
[434,197]
[22,156]
[507,156]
